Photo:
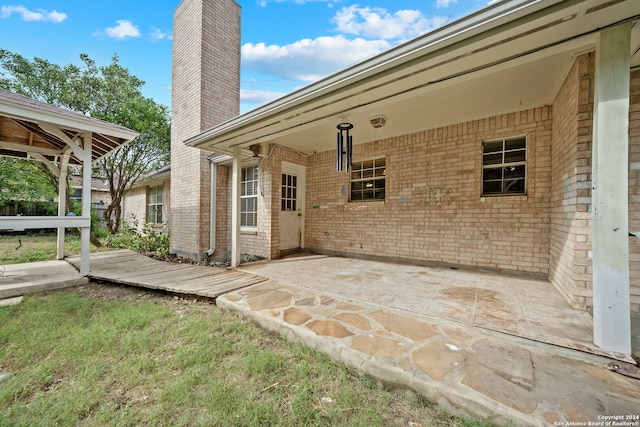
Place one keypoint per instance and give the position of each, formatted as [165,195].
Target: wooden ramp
[133,269]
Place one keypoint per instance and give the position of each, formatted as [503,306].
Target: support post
[86,204]
[611,300]
[236,206]
[62,201]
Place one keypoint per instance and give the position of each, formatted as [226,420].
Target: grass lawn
[99,355]
[20,248]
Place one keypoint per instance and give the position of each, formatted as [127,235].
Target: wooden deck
[133,269]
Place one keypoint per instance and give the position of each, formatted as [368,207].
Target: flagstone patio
[521,306]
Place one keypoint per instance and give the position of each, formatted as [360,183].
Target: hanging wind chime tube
[344,147]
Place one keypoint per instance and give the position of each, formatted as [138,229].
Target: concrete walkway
[21,279]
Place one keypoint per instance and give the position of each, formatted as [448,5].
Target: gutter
[212,208]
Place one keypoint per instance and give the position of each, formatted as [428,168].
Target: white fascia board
[64,121]
[482,21]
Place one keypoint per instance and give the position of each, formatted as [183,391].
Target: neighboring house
[493,142]
[148,200]
[100,195]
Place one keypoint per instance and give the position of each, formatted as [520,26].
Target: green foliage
[22,181]
[98,232]
[150,239]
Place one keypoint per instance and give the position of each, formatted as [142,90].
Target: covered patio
[424,112]
[58,137]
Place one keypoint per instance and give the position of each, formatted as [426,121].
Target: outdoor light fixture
[378,121]
[344,147]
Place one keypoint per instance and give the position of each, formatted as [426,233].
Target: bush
[150,240]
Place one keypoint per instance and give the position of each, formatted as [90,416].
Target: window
[289,196]
[249,197]
[154,210]
[76,194]
[368,180]
[504,164]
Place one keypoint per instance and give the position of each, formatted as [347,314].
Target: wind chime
[344,147]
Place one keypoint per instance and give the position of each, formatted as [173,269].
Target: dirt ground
[110,292]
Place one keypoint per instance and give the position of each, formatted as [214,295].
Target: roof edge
[478,22]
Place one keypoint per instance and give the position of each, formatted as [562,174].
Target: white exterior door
[292,191]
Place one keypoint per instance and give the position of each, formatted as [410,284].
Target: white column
[611,305]
[62,201]
[86,204]
[236,205]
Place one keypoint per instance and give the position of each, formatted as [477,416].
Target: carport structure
[34,130]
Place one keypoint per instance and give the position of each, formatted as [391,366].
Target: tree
[108,93]
[22,181]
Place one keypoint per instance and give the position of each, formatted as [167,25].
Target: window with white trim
[504,166]
[154,209]
[249,197]
[368,179]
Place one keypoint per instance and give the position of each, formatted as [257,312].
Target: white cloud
[28,15]
[157,35]
[258,97]
[445,3]
[123,30]
[309,60]
[379,23]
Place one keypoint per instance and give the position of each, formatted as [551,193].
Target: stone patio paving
[515,305]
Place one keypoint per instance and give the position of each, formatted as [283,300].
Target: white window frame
[375,174]
[249,198]
[504,164]
[155,204]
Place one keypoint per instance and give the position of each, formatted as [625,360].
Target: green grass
[83,357]
[21,248]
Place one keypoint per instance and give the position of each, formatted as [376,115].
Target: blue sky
[286,44]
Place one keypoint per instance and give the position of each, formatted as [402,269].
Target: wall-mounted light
[344,147]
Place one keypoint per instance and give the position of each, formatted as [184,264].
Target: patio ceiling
[33,129]
[507,57]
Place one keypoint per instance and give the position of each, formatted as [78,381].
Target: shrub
[149,240]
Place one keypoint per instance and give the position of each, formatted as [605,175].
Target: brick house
[148,199]
[508,140]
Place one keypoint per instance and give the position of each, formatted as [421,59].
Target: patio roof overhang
[507,57]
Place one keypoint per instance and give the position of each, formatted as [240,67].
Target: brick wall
[205,92]
[570,269]
[634,190]
[571,266]
[136,202]
[434,212]
[135,205]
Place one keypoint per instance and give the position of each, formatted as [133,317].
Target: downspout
[212,209]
